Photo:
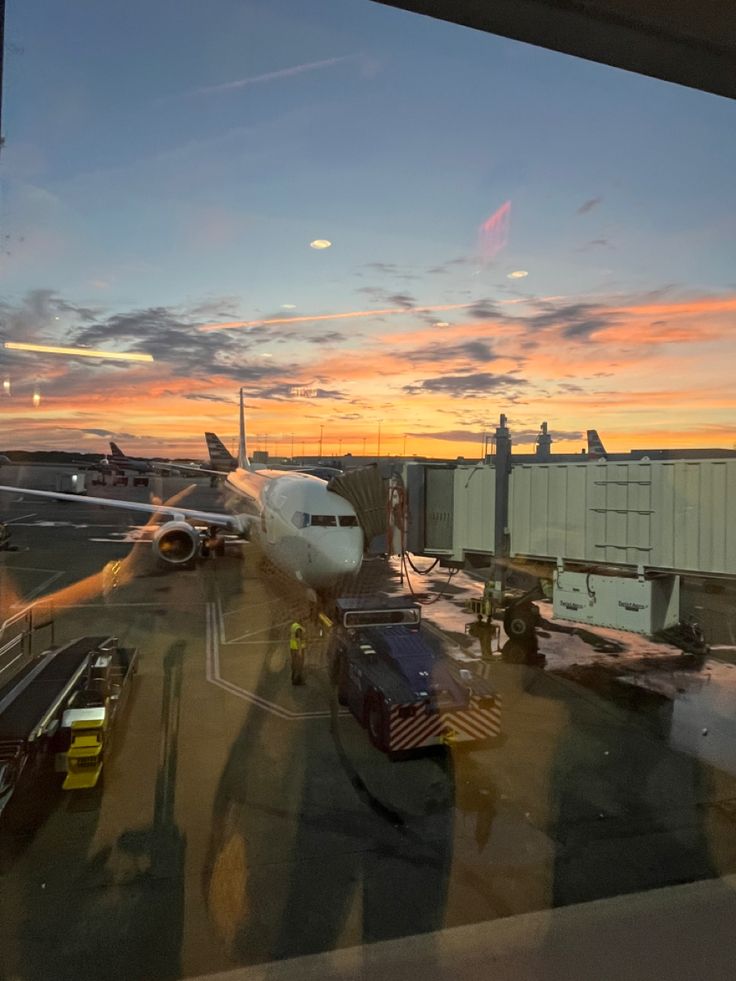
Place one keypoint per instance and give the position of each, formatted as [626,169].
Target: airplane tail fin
[243,461]
[220,457]
[116,452]
[596,449]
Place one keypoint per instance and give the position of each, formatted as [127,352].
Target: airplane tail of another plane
[596,449]
[220,457]
[116,453]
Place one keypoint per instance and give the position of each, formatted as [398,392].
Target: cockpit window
[299,519]
[324,520]
[348,521]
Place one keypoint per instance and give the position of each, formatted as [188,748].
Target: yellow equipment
[84,756]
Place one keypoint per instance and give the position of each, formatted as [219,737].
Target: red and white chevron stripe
[426,728]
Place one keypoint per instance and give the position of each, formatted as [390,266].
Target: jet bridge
[675,516]
[640,524]
[365,490]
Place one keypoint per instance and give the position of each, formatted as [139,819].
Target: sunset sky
[168,164]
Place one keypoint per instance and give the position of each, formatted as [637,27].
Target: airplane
[596,449]
[117,461]
[222,459]
[301,527]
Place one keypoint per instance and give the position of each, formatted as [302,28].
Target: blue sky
[177,154]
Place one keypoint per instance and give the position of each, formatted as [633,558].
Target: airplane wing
[237,522]
[188,468]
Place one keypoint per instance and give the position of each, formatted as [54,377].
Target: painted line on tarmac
[214,676]
[251,633]
[21,517]
[40,588]
[28,568]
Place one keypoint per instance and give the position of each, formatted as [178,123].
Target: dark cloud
[106,434]
[485,310]
[655,294]
[472,350]
[27,320]
[217,308]
[172,338]
[575,320]
[453,435]
[588,205]
[375,292]
[388,268]
[472,385]
[85,314]
[570,388]
[387,298]
[204,397]
[595,243]
[404,300]
[331,337]
[445,267]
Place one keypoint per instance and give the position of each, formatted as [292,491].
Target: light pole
[378,450]
[320,441]
[292,447]
[404,450]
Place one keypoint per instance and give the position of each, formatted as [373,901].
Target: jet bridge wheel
[374,719]
[519,621]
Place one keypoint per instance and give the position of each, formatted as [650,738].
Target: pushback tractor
[398,680]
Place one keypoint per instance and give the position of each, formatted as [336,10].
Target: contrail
[352,314]
[349,315]
[242,83]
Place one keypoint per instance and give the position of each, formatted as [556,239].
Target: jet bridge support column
[501,538]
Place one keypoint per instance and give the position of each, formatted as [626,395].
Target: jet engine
[176,543]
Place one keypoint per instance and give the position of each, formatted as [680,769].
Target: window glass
[484,293]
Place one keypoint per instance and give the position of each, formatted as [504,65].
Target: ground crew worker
[483,630]
[297,651]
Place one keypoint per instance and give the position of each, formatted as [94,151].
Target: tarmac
[242,820]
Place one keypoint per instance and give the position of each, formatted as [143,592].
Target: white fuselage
[304,529]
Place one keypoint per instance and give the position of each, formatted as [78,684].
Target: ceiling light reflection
[78,352]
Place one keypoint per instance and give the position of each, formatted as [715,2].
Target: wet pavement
[243,820]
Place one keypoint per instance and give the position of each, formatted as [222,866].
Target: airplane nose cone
[336,559]
[345,557]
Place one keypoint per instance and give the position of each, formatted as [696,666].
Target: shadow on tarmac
[120,914]
[303,856]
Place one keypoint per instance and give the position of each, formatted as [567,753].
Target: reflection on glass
[407,657]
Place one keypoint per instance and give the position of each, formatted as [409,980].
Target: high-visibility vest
[296,636]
